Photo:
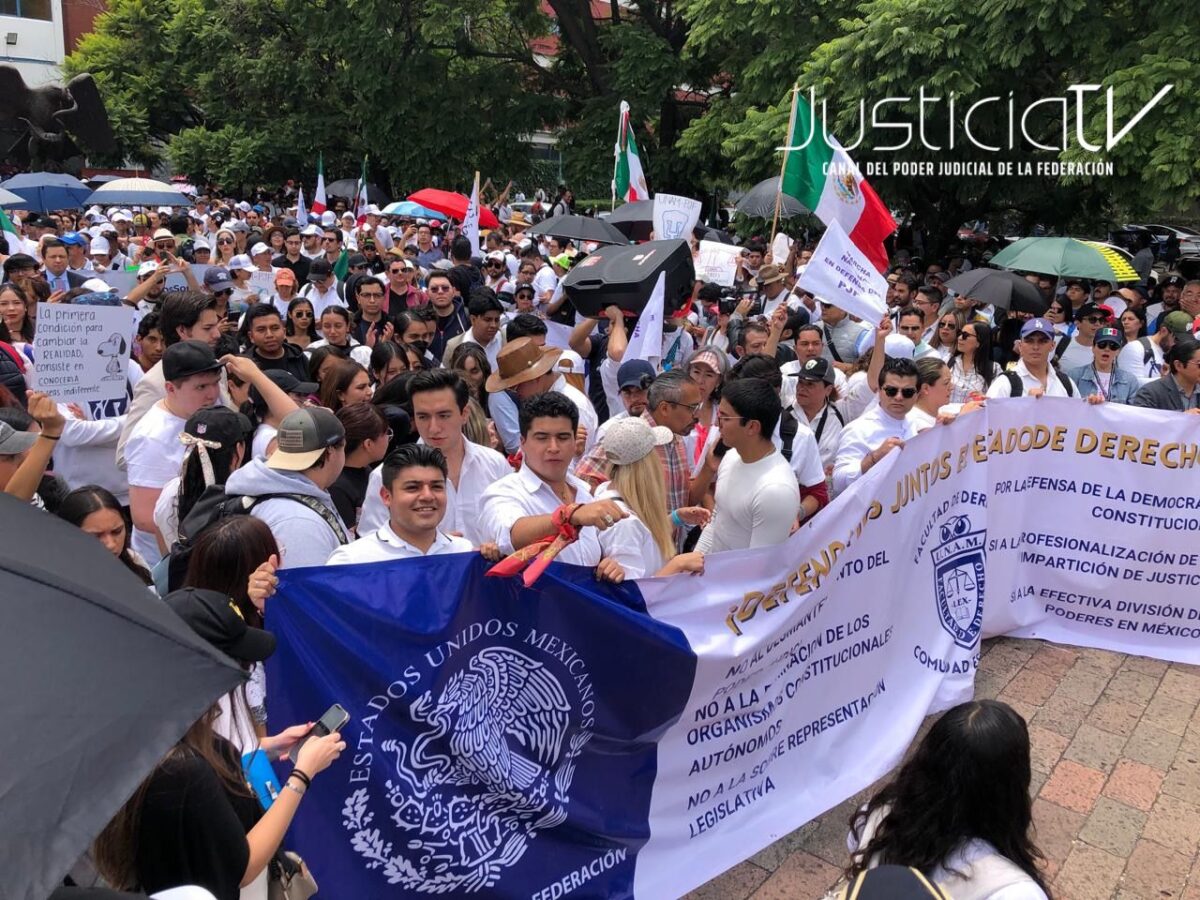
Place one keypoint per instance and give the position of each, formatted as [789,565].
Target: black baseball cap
[319,269]
[289,383]
[817,369]
[635,373]
[219,424]
[217,619]
[188,358]
[356,261]
[1169,281]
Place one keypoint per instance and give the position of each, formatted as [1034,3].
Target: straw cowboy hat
[519,361]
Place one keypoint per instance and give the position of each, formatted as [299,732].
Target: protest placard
[675,217]
[83,352]
[717,263]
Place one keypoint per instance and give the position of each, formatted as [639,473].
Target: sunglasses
[1095,320]
[224,240]
[1109,345]
[164,245]
[947,326]
[395,271]
[227,293]
[907,393]
[966,334]
[440,289]
[300,314]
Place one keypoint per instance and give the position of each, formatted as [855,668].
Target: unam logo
[959,578]
[470,791]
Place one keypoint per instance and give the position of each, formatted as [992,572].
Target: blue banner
[502,740]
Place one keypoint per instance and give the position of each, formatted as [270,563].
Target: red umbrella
[453,205]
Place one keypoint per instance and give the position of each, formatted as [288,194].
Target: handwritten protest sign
[717,263]
[83,352]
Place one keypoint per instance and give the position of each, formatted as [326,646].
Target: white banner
[717,263]
[83,352]
[675,217]
[1036,517]
[838,273]
[123,282]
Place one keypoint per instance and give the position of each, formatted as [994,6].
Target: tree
[430,90]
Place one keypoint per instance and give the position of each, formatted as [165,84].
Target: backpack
[215,505]
[1063,343]
[1017,387]
[1147,350]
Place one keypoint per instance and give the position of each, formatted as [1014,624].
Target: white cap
[626,441]
[243,263]
[165,210]
[310,230]
[93,210]
[99,245]
[374,210]
[199,243]
[570,363]
[98,285]
[348,214]
[897,346]
[121,216]
[149,267]
[328,217]
[496,255]
[258,248]
[244,207]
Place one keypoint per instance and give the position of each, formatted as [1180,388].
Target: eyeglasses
[693,408]
[907,393]
[371,295]
[224,240]
[440,289]
[740,419]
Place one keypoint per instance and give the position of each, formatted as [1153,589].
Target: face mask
[420,346]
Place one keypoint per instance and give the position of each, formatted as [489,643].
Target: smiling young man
[439,400]
[1033,374]
[1076,351]
[413,491]
[485,312]
[878,431]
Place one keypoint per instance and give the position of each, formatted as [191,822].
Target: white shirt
[481,467]
[1053,387]
[831,431]
[1132,358]
[862,436]
[629,541]
[1075,355]
[384,545]
[492,350]
[756,504]
[360,353]
[587,413]
[857,398]
[153,457]
[322,300]
[545,280]
[263,435]
[790,371]
[806,456]
[166,514]
[523,494]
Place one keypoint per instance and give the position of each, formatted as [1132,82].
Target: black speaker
[624,276]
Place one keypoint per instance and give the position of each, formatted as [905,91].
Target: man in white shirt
[519,509]
[814,407]
[757,497]
[153,453]
[414,483]
[1078,349]
[1145,356]
[484,311]
[322,288]
[439,401]
[809,345]
[1033,375]
[879,430]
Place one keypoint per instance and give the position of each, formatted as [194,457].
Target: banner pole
[783,164]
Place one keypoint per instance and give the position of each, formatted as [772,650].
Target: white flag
[646,340]
[841,274]
[471,220]
[301,212]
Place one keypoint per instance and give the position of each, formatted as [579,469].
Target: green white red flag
[629,179]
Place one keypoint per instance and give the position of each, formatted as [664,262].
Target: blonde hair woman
[226,247]
[643,543]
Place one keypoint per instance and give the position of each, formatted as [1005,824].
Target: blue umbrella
[415,210]
[138,192]
[47,191]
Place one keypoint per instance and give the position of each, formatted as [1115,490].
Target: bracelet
[675,520]
[296,773]
[50,437]
[291,787]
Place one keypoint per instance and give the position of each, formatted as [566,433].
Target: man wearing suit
[54,255]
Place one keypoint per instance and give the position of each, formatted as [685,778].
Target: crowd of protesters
[356,389]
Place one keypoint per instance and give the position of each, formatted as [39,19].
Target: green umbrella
[1066,258]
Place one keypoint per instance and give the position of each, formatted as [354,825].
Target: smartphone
[335,719]
[720,448]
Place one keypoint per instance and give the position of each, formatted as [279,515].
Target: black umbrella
[100,680]
[705,233]
[634,220]
[1001,288]
[579,228]
[759,202]
[347,188]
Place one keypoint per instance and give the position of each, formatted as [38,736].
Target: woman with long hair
[1060,314]
[194,820]
[321,361]
[226,247]
[276,237]
[971,366]
[959,810]
[300,325]
[335,326]
[945,334]
[16,324]
[1133,323]
[95,511]
[643,543]
[471,362]
[346,382]
[388,359]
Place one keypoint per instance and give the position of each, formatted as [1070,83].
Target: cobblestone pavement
[1116,781]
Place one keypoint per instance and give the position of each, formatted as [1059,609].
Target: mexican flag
[319,206]
[629,180]
[822,176]
[12,239]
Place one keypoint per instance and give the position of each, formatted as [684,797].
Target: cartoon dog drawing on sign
[115,349]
